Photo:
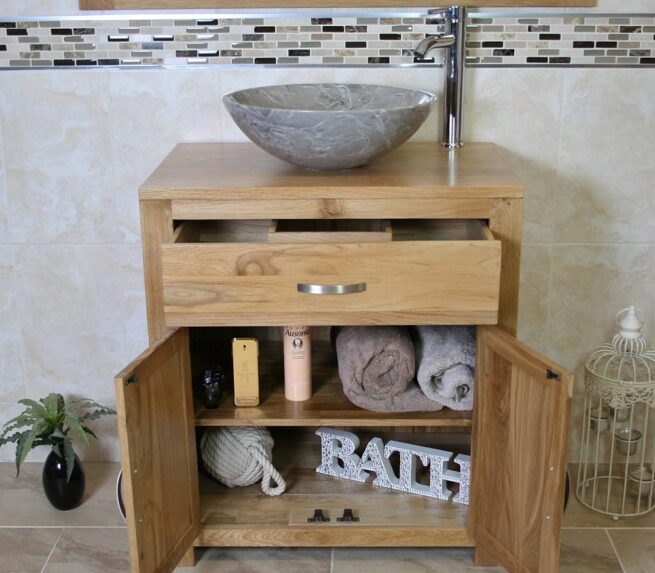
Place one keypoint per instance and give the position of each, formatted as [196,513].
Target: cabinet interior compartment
[244,516]
[328,405]
[330,230]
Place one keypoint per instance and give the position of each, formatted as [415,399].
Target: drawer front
[404,282]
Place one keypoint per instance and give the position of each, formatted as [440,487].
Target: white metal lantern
[616,475]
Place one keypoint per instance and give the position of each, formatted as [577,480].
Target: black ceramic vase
[60,493]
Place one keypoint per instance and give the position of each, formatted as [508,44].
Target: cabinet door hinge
[550,375]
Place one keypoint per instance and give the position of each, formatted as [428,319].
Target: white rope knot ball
[241,457]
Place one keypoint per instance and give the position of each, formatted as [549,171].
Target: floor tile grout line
[331,559]
[618,557]
[54,546]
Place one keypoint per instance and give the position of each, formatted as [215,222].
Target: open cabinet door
[518,454]
[158,451]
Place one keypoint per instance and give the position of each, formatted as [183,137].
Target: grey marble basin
[329,126]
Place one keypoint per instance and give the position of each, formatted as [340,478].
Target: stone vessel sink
[329,126]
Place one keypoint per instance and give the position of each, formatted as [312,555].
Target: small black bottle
[211,387]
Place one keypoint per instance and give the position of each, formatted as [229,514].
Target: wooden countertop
[206,171]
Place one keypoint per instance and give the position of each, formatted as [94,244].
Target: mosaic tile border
[567,39]
[494,40]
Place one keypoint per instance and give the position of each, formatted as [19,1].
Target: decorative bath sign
[341,445]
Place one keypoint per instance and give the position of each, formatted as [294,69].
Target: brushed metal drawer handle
[331,289]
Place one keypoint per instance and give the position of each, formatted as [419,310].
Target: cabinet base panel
[332,536]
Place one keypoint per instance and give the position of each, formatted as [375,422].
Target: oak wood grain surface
[160,474]
[242,171]
[156,229]
[402,207]
[506,224]
[519,442]
[415,282]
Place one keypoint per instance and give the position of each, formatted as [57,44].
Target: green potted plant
[53,421]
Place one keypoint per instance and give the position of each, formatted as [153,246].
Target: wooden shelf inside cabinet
[245,517]
[328,406]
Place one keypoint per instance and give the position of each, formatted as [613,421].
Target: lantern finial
[630,323]
[629,339]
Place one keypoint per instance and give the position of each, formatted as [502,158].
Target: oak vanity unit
[430,237]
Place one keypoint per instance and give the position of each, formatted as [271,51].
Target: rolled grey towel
[446,360]
[377,366]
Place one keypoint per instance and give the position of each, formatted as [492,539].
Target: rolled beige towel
[377,367]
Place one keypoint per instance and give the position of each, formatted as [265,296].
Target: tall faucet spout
[430,43]
[454,43]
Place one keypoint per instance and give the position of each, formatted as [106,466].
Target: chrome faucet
[454,42]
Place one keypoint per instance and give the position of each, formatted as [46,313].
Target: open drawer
[431,272]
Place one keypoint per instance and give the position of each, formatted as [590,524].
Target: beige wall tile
[589,285]
[636,549]
[533,296]
[587,551]
[78,304]
[575,428]
[23,502]
[70,298]
[39,7]
[152,111]
[11,343]
[520,110]
[9,410]
[620,6]
[261,560]
[90,551]
[4,203]
[441,560]
[430,80]
[135,325]
[26,550]
[605,188]
[58,156]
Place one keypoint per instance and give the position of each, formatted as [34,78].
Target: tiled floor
[37,538]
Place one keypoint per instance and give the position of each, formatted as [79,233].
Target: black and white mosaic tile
[494,39]
[607,40]
[164,41]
